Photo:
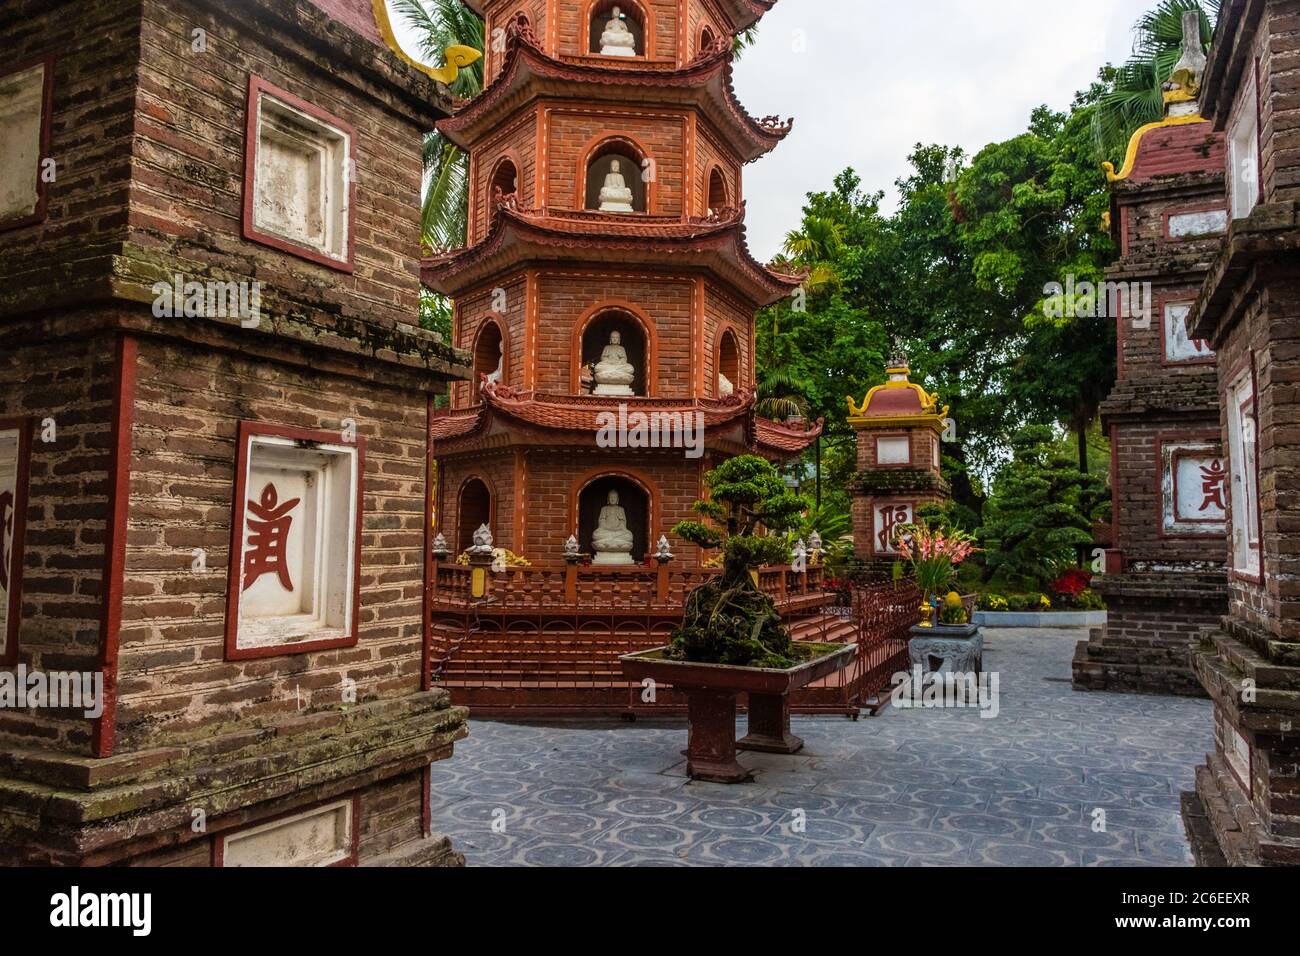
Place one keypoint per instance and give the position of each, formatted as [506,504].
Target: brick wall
[1268,335]
[548,480]
[189,146]
[499,13]
[709,155]
[721,312]
[96,47]
[175,682]
[1277,51]
[921,442]
[70,383]
[471,312]
[570,35]
[517,142]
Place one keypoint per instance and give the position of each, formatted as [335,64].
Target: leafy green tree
[1040,513]
[729,620]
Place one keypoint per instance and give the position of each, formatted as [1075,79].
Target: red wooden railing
[548,639]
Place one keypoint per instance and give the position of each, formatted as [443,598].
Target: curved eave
[518,238]
[529,74]
[777,440]
[576,421]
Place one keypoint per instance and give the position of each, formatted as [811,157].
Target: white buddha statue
[614,373]
[725,386]
[495,377]
[614,195]
[612,541]
[617,40]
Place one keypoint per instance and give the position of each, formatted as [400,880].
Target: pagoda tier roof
[508,415]
[742,13]
[529,73]
[520,236]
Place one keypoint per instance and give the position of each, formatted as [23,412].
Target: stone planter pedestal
[711,691]
[958,648]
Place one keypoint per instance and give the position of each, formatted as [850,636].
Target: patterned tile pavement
[908,788]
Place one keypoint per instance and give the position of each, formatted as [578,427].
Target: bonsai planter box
[959,647]
[711,691]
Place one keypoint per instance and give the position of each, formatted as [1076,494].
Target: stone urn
[711,691]
[947,649]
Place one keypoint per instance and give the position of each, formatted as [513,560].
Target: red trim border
[249,430]
[1163,440]
[119,499]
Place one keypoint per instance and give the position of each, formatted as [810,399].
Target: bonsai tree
[730,620]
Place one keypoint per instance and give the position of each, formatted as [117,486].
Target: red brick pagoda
[607,297]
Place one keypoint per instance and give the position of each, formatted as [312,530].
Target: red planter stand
[711,691]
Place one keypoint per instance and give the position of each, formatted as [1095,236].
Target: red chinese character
[1213,477]
[891,517]
[1199,346]
[6,533]
[270,535]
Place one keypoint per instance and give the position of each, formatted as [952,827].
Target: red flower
[1073,582]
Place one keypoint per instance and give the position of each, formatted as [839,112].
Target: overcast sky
[865,80]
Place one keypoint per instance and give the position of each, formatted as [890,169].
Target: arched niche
[490,351]
[505,178]
[633,17]
[473,510]
[729,358]
[633,337]
[633,498]
[707,39]
[719,199]
[600,163]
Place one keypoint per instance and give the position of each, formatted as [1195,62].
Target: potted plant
[934,554]
[946,639]
[731,639]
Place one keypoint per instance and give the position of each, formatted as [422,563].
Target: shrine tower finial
[1185,82]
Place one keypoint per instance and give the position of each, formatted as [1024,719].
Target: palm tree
[440,24]
[780,396]
[1136,97]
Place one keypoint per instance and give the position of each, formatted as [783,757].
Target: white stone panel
[1185,225]
[893,451]
[319,837]
[21,104]
[888,517]
[1179,345]
[296,564]
[300,191]
[1194,489]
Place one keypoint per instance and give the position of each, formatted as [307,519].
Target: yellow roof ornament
[893,409]
[455,57]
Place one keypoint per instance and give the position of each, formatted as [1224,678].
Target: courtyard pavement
[907,788]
